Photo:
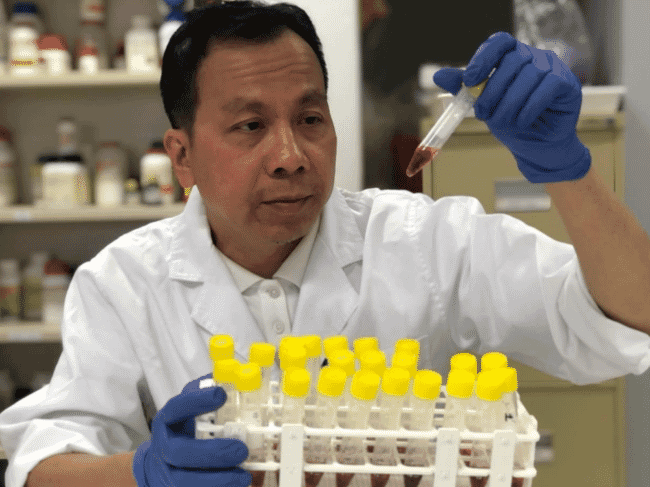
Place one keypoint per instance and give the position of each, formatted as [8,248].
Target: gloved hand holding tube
[531,103]
[173,457]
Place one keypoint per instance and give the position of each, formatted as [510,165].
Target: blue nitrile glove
[173,457]
[530,103]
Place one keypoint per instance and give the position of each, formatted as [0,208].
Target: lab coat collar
[327,299]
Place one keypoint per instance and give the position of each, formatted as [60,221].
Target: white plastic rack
[447,457]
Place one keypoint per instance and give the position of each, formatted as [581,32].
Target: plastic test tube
[251,406]
[394,386]
[225,373]
[331,381]
[451,118]
[344,359]
[263,354]
[313,347]
[333,344]
[419,452]
[466,361]
[408,362]
[364,388]
[364,344]
[460,384]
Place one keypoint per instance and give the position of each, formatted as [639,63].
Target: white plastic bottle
[331,382]
[248,383]
[92,33]
[9,291]
[56,280]
[141,46]
[25,28]
[156,176]
[32,287]
[394,386]
[172,22]
[110,174]
[8,183]
[364,388]
[419,452]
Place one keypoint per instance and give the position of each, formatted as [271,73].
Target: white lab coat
[389,264]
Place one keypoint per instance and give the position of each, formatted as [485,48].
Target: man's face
[263,148]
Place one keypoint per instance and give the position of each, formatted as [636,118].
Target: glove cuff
[575,150]
[138,464]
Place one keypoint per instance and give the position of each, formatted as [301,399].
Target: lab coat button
[278,326]
[274,292]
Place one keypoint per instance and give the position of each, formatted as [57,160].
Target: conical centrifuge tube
[221,347]
[313,347]
[331,382]
[408,345]
[408,362]
[466,361]
[362,345]
[490,415]
[225,373]
[248,383]
[263,354]
[419,452]
[394,386]
[493,360]
[451,118]
[344,359]
[333,344]
[460,384]
[364,388]
[373,360]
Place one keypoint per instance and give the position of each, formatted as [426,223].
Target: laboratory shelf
[30,332]
[89,213]
[105,78]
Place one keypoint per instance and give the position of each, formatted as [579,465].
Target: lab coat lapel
[327,299]
[217,305]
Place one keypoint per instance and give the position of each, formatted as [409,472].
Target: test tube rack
[448,465]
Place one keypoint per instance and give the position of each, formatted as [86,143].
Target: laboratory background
[81,162]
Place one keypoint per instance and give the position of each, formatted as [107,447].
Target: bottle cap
[334,343]
[331,381]
[395,381]
[460,383]
[261,354]
[52,41]
[374,360]
[426,384]
[490,385]
[56,266]
[25,8]
[510,384]
[365,385]
[295,382]
[175,16]
[221,347]
[408,345]
[156,147]
[364,344]
[464,361]
[226,370]
[343,359]
[248,378]
[293,356]
[289,341]
[405,361]
[493,360]
[312,345]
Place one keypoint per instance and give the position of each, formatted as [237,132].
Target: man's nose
[287,157]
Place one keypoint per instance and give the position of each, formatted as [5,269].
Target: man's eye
[312,120]
[251,126]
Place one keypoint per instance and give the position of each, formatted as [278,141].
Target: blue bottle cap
[175,15]
[25,8]
[174,3]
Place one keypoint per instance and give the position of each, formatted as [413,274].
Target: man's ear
[177,145]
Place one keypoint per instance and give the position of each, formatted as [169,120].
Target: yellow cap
[395,381]
[478,89]
[293,356]
[409,345]
[426,384]
[295,382]
[364,344]
[464,361]
[460,383]
[221,347]
[343,359]
[374,360]
[510,374]
[331,381]
[226,370]
[365,385]
[406,361]
[490,385]
[334,343]
[261,354]
[289,341]
[249,378]
[312,345]
[493,360]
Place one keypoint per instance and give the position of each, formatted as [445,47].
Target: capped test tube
[408,362]
[460,384]
[225,374]
[333,344]
[344,359]
[263,354]
[364,344]
[248,383]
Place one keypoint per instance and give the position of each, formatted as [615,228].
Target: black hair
[249,20]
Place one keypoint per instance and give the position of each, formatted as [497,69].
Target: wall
[636,74]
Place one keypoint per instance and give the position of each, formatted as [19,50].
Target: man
[267,247]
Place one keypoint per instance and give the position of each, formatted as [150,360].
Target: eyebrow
[315,97]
